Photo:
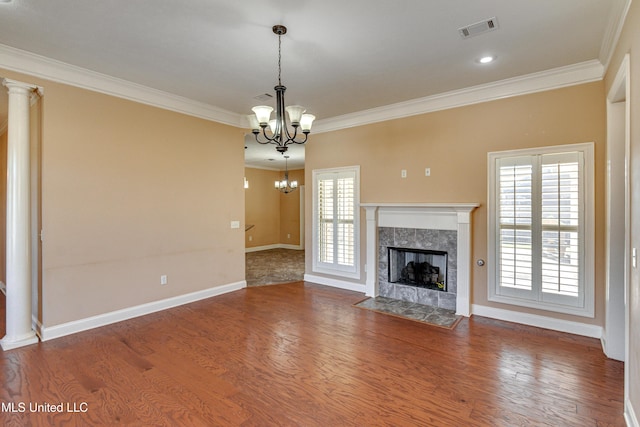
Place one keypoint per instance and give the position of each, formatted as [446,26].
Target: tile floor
[274,266]
[411,310]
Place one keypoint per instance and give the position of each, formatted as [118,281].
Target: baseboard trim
[350,286]
[274,246]
[57,331]
[629,414]
[23,341]
[577,328]
[611,353]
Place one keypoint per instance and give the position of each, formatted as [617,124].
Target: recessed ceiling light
[486,59]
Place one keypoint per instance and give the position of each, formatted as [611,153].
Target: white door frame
[616,330]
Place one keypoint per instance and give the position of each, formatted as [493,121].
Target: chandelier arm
[268,140]
[306,135]
[292,138]
[286,128]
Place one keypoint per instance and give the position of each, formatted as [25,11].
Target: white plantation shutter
[515,224]
[345,213]
[561,224]
[326,233]
[538,219]
[336,220]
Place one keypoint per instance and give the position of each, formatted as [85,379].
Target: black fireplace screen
[418,267]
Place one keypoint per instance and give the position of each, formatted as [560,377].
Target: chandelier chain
[279,58]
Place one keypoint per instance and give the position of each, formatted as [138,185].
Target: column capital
[15,86]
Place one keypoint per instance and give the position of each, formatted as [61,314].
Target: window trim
[588,249]
[317,267]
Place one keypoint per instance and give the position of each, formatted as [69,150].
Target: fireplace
[416,267]
[425,226]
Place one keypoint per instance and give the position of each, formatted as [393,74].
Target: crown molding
[556,78]
[614,29]
[39,66]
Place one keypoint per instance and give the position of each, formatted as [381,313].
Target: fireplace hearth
[420,268]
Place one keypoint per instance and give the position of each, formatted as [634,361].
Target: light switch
[235,224]
[403,173]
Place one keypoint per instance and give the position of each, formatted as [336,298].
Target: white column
[19,330]
[371,285]
[463,297]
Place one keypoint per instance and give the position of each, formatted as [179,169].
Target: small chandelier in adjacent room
[281,135]
[285,185]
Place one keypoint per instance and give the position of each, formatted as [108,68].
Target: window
[541,228]
[336,221]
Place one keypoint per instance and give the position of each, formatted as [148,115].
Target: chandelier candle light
[285,185]
[281,134]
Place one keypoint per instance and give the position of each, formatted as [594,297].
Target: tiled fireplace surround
[416,238]
[435,226]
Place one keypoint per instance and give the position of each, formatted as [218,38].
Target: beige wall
[290,211]
[630,43]
[454,144]
[273,214]
[262,208]
[131,192]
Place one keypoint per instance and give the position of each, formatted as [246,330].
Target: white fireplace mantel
[439,216]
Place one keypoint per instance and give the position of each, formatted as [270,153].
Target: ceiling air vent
[263,97]
[478,28]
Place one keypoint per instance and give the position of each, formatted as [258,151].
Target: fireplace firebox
[418,267]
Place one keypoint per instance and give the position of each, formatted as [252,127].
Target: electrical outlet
[250,238]
[427,172]
[403,173]
[163,279]
[288,236]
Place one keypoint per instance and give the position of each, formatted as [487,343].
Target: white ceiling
[339,57]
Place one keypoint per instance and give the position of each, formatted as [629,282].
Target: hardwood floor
[300,354]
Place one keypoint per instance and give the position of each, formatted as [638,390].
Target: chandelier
[285,185]
[279,132]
